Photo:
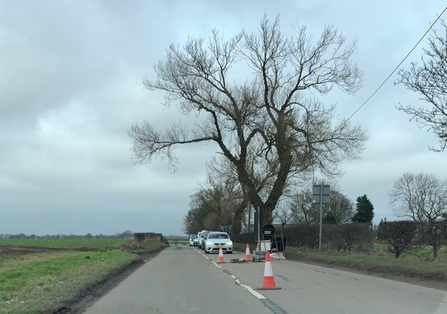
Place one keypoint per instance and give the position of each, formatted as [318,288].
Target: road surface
[185,280]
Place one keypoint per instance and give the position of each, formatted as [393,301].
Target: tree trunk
[267,215]
[237,222]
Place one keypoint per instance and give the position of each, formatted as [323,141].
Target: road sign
[321,194]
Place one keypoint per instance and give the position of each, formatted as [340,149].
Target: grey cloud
[71,85]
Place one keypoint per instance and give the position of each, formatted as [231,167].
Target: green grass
[175,242]
[417,263]
[35,283]
[83,244]
[41,282]
[143,247]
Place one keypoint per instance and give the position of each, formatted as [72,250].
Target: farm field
[42,276]
[176,242]
[83,244]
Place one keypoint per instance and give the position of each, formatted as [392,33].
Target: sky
[71,77]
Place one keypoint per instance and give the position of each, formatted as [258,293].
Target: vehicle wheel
[207,252]
[230,252]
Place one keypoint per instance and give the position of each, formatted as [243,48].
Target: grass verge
[44,282]
[417,264]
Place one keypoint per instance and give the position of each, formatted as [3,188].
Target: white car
[200,238]
[193,240]
[215,239]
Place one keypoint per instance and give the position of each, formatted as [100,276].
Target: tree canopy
[429,79]
[271,118]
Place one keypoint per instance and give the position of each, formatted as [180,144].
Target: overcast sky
[71,86]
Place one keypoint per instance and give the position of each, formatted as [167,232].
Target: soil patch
[24,250]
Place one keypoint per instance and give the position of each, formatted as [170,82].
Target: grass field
[84,244]
[34,283]
[175,242]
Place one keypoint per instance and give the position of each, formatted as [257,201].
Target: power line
[395,69]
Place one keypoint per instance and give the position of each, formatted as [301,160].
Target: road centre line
[267,302]
[251,290]
[442,308]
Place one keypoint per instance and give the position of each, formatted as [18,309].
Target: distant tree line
[21,236]
[220,205]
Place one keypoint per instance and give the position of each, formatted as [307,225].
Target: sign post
[321,193]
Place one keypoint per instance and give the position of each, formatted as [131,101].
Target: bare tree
[301,206]
[303,211]
[423,198]
[341,208]
[284,214]
[223,193]
[429,80]
[222,176]
[274,111]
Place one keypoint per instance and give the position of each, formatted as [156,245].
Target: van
[199,236]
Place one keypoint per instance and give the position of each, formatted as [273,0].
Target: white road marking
[251,290]
[442,308]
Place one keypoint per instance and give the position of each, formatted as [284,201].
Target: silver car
[215,239]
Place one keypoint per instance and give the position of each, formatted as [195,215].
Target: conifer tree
[365,210]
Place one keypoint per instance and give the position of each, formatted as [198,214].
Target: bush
[398,235]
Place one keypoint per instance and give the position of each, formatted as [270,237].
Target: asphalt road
[185,280]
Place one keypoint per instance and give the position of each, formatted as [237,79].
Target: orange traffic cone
[220,259]
[247,253]
[269,280]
